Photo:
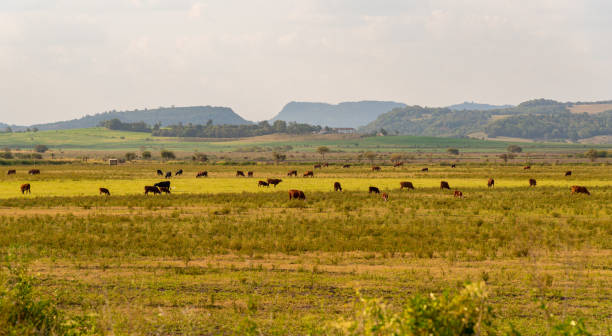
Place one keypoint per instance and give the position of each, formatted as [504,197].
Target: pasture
[221,255]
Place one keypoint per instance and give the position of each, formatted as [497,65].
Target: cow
[458,193]
[239,173]
[373,190]
[346,166]
[164,190]
[526,167]
[453,166]
[104,191]
[532,182]
[34,171]
[263,184]
[580,190]
[309,174]
[385,197]
[337,186]
[296,194]
[375,168]
[274,182]
[491,183]
[165,184]
[250,174]
[11,172]
[398,164]
[160,173]
[168,174]
[317,166]
[202,174]
[568,173]
[407,185]
[292,173]
[26,188]
[325,164]
[152,189]
[444,185]
[425,169]
[178,172]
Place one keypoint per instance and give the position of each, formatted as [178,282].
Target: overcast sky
[62,59]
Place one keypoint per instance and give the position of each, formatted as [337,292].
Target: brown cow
[532,182]
[164,190]
[274,182]
[425,169]
[263,184]
[11,172]
[385,196]
[104,191]
[292,173]
[317,166]
[202,174]
[453,166]
[26,188]
[346,166]
[337,186]
[239,173]
[373,190]
[526,167]
[296,194]
[458,193]
[568,173]
[444,185]
[250,174]
[398,164]
[376,168]
[152,189]
[407,185]
[34,171]
[580,190]
[309,174]
[491,183]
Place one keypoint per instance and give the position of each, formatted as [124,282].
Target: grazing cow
[453,166]
[491,183]
[250,174]
[178,172]
[317,166]
[337,186]
[376,168]
[160,173]
[168,174]
[239,173]
[309,174]
[398,164]
[292,173]
[425,169]
[296,194]
[202,174]
[34,171]
[568,173]
[11,172]
[164,190]
[263,184]
[532,182]
[385,197]
[580,190]
[274,182]
[458,193]
[104,191]
[444,185]
[346,166]
[165,184]
[373,190]
[407,185]
[25,188]
[325,164]
[152,189]
[526,167]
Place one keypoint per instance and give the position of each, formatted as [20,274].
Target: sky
[63,59]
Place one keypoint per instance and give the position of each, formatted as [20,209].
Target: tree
[41,148]
[278,157]
[397,157]
[591,154]
[167,155]
[514,149]
[146,155]
[453,151]
[199,157]
[371,156]
[506,157]
[323,150]
[130,156]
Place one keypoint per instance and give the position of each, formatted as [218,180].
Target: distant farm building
[344,130]
[113,162]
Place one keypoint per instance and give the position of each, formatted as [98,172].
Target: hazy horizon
[67,58]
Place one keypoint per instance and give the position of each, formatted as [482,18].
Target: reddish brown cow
[373,190]
[526,167]
[11,172]
[239,173]
[398,164]
[425,169]
[444,185]
[104,191]
[309,174]
[296,194]
[385,196]
[250,174]
[317,166]
[346,166]
[337,186]
[152,189]
[292,173]
[491,183]
[376,168]
[458,193]
[25,188]
[202,174]
[34,171]
[568,173]
[263,184]
[407,185]
[274,182]
[580,190]
[532,182]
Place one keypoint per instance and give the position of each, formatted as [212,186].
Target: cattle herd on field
[164,186]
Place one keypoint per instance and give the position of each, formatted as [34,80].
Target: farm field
[223,256]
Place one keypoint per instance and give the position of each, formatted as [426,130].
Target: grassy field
[222,256]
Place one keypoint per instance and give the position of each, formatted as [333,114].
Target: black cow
[163,184]
[374,190]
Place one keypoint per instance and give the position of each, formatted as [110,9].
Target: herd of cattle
[164,186]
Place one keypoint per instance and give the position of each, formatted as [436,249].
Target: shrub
[453,151]
[41,148]
[146,155]
[130,156]
[514,149]
[168,155]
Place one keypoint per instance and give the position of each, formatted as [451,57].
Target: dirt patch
[590,108]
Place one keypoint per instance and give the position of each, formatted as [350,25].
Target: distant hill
[349,114]
[165,115]
[472,106]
